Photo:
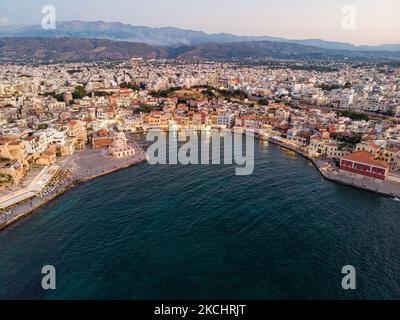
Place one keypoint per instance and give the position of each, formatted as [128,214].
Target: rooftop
[366,158]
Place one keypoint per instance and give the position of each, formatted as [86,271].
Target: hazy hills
[279,50]
[73,50]
[164,36]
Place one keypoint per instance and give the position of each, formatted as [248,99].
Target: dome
[118,144]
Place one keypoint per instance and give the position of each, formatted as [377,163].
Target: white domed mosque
[120,147]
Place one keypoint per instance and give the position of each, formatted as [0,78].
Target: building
[198,119]
[102,139]
[11,173]
[369,146]
[120,147]
[364,163]
[157,119]
[14,150]
[389,155]
[48,157]
[226,120]
[68,148]
[36,144]
[76,129]
[67,97]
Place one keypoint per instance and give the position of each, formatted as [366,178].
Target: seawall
[385,188]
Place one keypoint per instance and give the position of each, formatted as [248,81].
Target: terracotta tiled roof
[366,158]
[103,132]
[374,145]
[15,143]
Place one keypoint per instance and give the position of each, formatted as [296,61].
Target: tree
[165,93]
[389,113]
[348,141]
[58,96]
[79,92]
[102,94]
[182,101]
[43,126]
[354,115]
[132,86]
[144,108]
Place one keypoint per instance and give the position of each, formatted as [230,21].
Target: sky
[373,22]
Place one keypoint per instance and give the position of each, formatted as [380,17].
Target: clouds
[4,22]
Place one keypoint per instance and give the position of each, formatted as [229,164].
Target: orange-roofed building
[364,163]
[126,91]
[103,132]
[102,139]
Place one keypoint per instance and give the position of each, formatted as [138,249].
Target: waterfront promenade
[85,166]
[330,172]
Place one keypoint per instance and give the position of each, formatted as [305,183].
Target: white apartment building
[227,120]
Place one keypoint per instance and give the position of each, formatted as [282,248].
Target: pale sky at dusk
[377,21]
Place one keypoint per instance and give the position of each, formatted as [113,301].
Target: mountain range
[20,49]
[168,36]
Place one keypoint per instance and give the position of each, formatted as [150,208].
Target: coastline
[73,184]
[86,170]
[41,202]
[347,180]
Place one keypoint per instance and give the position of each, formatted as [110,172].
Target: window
[347,163]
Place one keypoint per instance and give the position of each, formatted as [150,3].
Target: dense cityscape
[191,159]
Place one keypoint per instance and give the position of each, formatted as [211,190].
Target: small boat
[396,199]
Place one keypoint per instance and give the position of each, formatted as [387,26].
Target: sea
[201,232]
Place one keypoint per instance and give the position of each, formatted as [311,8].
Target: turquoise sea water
[167,232]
